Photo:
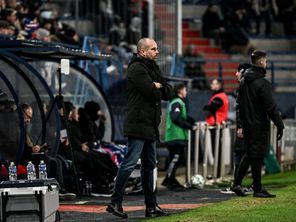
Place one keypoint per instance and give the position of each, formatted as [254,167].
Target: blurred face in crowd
[214,8]
[12,17]
[148,49]
[183,93]
[70,114]
[28,114]
[75,115]
[2,4]
[238,75]
[11,30]
[215,85]
[4,31]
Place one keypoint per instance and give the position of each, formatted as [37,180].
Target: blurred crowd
[23,20]
[121,23]
[232,22]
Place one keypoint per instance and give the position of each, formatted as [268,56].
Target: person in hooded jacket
[145,89]
[92,128]
[92,132]
[239,149]
[256,107]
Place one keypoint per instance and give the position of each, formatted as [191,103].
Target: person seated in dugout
[35,152]
[97,165]
[92,123]
[30,147]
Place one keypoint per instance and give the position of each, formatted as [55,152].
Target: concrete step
[274,44]
[193,11]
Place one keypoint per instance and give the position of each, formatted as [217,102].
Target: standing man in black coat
[145,89]
[256,108]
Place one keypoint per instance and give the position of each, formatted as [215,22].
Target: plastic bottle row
[31,171]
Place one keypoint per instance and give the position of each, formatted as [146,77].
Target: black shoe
[263,194]
[239,191]
[116,210]
[155,212]
[172,183]
[65,195]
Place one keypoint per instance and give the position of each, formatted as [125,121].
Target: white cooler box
[29,200]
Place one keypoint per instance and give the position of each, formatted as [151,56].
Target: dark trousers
[176,158]
[256,166]
[137,148]
[238,155]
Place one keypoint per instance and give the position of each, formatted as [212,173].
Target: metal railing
[201,144]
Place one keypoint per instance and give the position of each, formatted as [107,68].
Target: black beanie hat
[91,108]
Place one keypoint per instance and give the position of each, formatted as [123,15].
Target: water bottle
[42,170]
[12,172]
[31,172]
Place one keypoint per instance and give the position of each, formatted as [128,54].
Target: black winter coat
[256,107]
[143,110]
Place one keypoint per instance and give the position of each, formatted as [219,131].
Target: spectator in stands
[194,67]
[236,35]
[176,136]
[264,10]
[4,29]
[43,35]
[212,24]
[34,5]
[256,108]
[2,5]
[67,34]
[133,33]
[11,3]
[117,32]
[10,15]
[241,18]
[287,12]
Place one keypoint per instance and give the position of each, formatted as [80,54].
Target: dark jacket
[256,107]
[91,132]
[210,21]
[143,109]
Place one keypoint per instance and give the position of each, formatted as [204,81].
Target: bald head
[143,43]
[147,48]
